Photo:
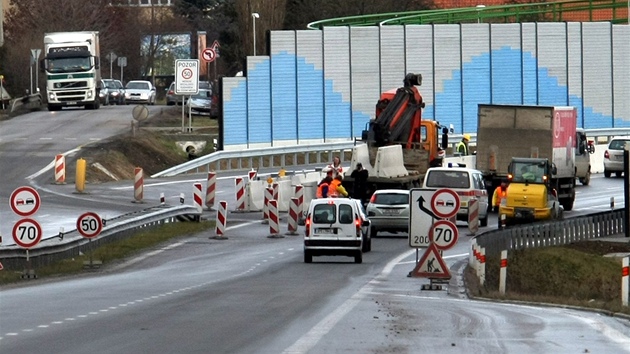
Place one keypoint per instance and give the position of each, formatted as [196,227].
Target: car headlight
[126,95]
[114,93]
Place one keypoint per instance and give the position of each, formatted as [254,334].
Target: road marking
[315,334]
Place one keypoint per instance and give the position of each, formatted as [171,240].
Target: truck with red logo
[534,149]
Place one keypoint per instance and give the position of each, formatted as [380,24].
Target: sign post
[187,82]
[89,226]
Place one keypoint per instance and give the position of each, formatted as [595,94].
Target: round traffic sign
[443,234]
[187,73]
[89,225]
[24,201]
[445,203]
[208,54]
[27,233]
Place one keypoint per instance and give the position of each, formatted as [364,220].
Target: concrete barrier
[256,194]
[360,153]
[286,191]
[389,162]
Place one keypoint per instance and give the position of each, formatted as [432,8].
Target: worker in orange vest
[499,194]
[336,189]
[324,187]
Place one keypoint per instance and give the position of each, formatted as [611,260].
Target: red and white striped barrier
[252,175]
[299,194]
[197,200]
[473,216]
[138,185]
[162,200]
[60,169]
[293,217]
[625,283]
[274,229]
[268,197]
[276,190]
[221,219]
[503,272]
[240,194]
[211,187]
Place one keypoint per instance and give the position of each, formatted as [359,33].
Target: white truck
[72,67]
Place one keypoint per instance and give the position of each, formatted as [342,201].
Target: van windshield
[448,179]
[324,214]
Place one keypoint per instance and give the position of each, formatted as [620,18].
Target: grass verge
[112,252]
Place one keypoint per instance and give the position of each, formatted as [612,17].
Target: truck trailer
[72,67]
[546,134]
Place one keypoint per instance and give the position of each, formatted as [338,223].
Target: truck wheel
[567,203]
[587,179]
[618,174]
[606,173]
[358,258]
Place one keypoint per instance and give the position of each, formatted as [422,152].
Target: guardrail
[26,103]
[284,156]
[556,233]
[71,243]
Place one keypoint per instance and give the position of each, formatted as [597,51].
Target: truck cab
[583,153]
[530,195]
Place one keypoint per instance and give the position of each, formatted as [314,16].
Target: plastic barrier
[293,217]
[256,195]
[240,194]
[360,153]
[299,194]
[252,175]
[211,188]
[310,193]
[221,219]
[274,229]
[268,197]
[197,200]
[138,185]
[473,216]
[284,195]
[60,169]
[389,162]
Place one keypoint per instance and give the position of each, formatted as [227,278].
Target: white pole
[111,65]
[624,281]
[31,91]
[482,276]
[255,15]
[503,272]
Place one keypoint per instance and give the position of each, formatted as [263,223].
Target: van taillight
[307,226]
[357,222]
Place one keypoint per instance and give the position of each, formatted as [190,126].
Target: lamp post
[255,15]
[479,8]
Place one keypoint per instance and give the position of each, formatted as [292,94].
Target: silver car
[140,91]
[388,210]
[613,157]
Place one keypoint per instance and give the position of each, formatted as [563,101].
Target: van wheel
[308,257]
[367,244]
[484,221]
[373,231]
[358,258]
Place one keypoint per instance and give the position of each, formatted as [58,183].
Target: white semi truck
[72,67]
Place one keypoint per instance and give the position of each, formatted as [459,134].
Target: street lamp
[479,8]
[255,15]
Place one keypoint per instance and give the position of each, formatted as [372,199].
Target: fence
[556,233]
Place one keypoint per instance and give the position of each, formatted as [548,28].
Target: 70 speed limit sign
[27,233]
[443,234]
[89,225]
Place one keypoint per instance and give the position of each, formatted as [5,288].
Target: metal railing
[71,243]
[615,11]
[556,233]
[284,156]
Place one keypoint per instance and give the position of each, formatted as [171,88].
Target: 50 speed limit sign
[443,234]
[89,225]
[27,233]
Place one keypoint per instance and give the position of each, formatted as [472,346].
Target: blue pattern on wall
[305,105]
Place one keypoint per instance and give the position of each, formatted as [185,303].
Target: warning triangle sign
[431,265]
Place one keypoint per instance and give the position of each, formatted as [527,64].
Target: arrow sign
[421,201]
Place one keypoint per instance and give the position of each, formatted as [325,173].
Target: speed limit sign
[27,233]
[443,234]
[89,225]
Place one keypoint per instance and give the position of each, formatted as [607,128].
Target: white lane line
[51,164]
[310,339]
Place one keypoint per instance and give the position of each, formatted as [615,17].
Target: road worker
[323,187]
[462,146]
[499,194]
[334,167]
[336,189]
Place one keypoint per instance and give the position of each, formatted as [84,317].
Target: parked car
[103,92]
[173,99]
[201,103]
[140,91]
[116,91]
[388,210]
[333,226]
[468,183]
[613,156]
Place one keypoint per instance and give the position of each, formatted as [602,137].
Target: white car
[334,226]
[468,183]
[140,91]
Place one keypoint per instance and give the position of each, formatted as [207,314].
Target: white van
[333,226]
[468,183]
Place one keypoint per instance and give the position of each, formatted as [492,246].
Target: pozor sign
[186,76]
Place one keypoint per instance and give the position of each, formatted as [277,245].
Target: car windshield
[110,84]
[391,198]
[448,179]
[202,94]
[618,144]
[138,86]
